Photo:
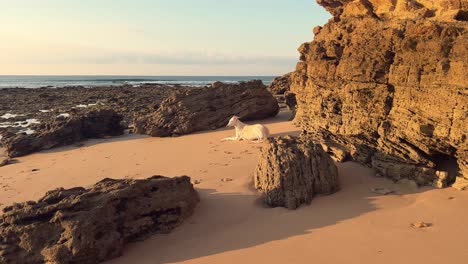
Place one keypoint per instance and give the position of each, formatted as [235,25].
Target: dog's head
[233,121]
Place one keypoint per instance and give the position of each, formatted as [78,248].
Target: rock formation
[92,225]
[208,108]
[64,130]
[281,84]
[291,171]
[387,80]
[281,89]
[126,100]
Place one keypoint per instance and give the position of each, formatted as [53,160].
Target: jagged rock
[281,84]
[62,131]
[336,152]
[291,171]
[208,108]
[126,100]
[386,79]
[460,184]
[92,225]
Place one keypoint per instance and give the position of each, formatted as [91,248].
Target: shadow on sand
[226,222]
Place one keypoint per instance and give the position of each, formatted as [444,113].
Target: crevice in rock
[448,164]
[462,15]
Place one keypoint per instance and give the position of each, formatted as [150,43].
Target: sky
[154,37]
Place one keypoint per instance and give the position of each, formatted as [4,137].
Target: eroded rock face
[291,171]
[92,225]
[387,79]
[64,130]
[208,108]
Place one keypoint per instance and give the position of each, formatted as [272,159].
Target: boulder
[64,130]
[386,80]
[291,171]
[208,108]
[280,85]
[92,225]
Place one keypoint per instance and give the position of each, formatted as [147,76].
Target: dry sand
[231,225]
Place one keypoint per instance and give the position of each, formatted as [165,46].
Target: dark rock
[291,171]
[291,102]
[208,108]
[92,225]
[127,101]
[280,85]
[62,131]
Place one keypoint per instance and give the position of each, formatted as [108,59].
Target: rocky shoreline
[19,104]
[32,120]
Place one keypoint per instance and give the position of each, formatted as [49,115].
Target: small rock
[226,180]
[34,170]
[421,224]
[197,182]
[384,191]
[409,183]
[4,161]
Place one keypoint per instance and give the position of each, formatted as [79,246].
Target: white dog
[247,132]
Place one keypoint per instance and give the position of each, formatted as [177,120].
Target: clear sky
[154,37]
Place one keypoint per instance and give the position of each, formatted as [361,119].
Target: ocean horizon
[52,81]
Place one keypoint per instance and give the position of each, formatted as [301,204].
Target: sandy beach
[230,225]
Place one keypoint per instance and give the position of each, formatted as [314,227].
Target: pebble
[384,191]
[226,180]
[421,224]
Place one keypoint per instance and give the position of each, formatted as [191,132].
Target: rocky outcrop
[291,171]
[92,225]
[208,108]
[280,85]
[281,89]
[41,103]
[64,130]
[387,80]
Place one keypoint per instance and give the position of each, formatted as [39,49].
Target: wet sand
[231,225]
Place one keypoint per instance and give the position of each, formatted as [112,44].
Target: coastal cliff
[387,80]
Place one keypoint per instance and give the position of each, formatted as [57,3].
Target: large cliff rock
[64,130]
[291,171]
[208,108]
[92,225]
[387,79]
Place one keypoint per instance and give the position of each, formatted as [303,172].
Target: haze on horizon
[154,37]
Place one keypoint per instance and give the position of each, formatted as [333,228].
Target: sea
[23,81]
